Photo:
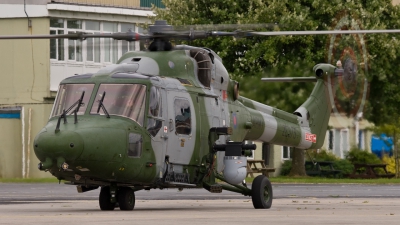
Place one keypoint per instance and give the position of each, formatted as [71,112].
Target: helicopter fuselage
[145,122]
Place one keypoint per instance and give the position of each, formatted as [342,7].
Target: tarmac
[176,212]
[292,204]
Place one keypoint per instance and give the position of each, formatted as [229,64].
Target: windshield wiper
[101,105]
[64,114]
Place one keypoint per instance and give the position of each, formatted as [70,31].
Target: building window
[110,45]
[57,45]
[74,46]
[92,44]
[95,50]
[182,116]
[345,146]
[127,46]
[286,152]
[361,136]
[330,140]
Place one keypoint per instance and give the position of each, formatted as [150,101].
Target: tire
[261,192]
[105,199]
[126,198]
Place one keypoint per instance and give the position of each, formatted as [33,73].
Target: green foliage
[356,155]
[321,155]
[247,59]
[286,167]
[345,166]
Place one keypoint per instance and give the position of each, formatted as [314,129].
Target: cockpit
[126,100]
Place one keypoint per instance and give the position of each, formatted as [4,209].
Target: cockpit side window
[135,145]
[68,94]
[126,100]
[183,122]
[154,123]
[155,102]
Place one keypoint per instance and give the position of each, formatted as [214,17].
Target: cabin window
[182,116]
[135,145]
[68,94]
[127,100]
[155,102]
[154,123]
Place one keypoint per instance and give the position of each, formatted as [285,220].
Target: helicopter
[171,117]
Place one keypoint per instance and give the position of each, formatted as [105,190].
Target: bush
[356,155]
[344,165]
[286,167]
[321,155]
[391,164]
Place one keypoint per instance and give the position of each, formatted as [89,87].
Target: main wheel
[126,198]
[105,199]
[261,192]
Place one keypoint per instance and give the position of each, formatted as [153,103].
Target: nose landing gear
[108,198]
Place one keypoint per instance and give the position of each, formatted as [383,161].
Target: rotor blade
[45,36]
[128,36]
[319,32]
[289,79]
[211,27]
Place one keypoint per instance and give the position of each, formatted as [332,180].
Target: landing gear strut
[124,195]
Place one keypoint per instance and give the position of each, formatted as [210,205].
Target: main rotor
[160,33]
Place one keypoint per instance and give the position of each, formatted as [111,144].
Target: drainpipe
[23,141]
[29,20]
[29,142]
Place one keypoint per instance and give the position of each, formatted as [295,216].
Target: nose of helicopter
[60,148]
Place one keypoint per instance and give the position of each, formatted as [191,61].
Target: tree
[248,59]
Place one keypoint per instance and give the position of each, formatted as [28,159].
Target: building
[32,69]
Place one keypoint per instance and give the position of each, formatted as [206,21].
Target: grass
[29,180]
[322,180]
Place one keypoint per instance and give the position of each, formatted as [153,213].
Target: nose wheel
[125,197]
[105,199]
[261,192]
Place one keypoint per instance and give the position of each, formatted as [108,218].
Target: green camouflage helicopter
[159,118]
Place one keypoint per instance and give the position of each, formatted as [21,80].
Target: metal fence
[116,3]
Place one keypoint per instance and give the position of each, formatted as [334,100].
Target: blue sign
[381,145]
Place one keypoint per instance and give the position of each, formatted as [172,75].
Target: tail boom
[303,129]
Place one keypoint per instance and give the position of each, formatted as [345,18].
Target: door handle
[171,124]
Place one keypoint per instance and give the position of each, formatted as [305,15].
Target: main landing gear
[110,197]
[261,192]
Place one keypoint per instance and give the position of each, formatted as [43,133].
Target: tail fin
[306,127]
[317,108]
